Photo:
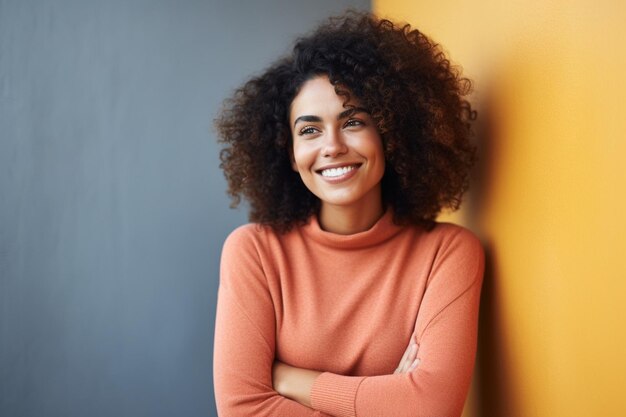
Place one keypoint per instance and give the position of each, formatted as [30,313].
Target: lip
[341,178]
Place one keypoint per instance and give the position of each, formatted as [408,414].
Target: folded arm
[445,334]
[296,383]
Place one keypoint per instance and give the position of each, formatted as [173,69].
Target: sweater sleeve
[244,343]
[445,329]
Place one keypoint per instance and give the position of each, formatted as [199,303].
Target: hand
[294,383]
[409,360]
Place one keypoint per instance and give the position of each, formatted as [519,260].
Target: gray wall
[112,206]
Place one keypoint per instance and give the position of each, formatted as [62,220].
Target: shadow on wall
[493,382]
[494,390]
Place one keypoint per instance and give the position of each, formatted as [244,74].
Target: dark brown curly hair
[408,85]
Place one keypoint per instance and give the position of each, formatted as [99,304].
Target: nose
[333,144]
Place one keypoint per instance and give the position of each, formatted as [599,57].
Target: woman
[346,298]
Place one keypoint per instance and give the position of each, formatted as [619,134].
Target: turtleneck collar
[381,231]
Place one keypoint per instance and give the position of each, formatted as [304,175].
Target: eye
[353,123]
[307,130]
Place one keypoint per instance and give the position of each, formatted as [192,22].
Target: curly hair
[415,97]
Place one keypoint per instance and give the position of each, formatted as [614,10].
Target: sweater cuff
[335,394]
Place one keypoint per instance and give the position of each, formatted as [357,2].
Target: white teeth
[337,172]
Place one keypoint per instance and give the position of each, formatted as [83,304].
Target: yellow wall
[549,200]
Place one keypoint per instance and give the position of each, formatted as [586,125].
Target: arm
[245,338]
[445,333]
[296,383]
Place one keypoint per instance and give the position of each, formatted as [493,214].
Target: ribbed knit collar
[384,229]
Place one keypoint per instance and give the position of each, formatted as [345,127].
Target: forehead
[317,97]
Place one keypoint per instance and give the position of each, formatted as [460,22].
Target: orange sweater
[348,306]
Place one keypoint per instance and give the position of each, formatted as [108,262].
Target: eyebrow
[342,115]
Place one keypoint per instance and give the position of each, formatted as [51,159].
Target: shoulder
[251,238]
[447,234]
[457,248]
[241,266]
[244,238]
[243,235]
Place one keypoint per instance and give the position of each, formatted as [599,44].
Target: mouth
[338,172]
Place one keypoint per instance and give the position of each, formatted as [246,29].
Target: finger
[401,364]
[410,358]
[414,365]
[412,354]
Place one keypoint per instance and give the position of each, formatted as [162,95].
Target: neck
[350,220]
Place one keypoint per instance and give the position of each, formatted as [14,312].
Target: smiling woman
[345,297]
[339,156]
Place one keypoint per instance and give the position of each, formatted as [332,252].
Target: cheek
[292,159]
[375,150]
[301,158]
[379,154]
[296,159]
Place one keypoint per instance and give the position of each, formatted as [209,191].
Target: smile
[337,172]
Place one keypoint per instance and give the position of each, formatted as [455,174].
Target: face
[337,150]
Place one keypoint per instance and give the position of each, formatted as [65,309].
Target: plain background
[549,198]
[112,205]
